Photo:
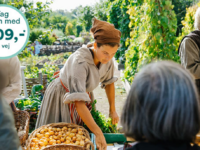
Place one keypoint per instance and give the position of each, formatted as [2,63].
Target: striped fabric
[74,116]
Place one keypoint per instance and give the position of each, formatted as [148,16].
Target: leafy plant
[105,124]
[46,38]
[35,35]
[69,29]
[188,22]
[31,103]
[153,35]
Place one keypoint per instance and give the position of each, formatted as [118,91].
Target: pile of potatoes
[51,136]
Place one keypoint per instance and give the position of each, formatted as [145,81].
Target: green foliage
[69,29]
[101,10]
[31,103]
[84,17]
[180,11]
[33,15]
[153,37]
[46,38]
[78,30]
[120,18]
[58,33]
[188,22]
[32,72]
[104,124]
[34,34]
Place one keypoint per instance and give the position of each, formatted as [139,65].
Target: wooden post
[40,78]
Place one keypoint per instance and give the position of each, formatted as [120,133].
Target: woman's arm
[87,118]
[110,92]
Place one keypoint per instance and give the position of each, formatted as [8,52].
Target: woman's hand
[87,118]
[114,116]
[100,141]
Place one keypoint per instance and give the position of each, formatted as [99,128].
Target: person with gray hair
[162,110]
[189,50]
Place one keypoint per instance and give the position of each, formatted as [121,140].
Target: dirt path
[120,97]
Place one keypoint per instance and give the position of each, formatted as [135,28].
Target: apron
[74,116]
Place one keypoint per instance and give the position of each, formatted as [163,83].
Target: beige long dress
[11,70]
[79,75]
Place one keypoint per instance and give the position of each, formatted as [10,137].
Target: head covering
[104,32]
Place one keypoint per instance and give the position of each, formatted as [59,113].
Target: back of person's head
[162,105]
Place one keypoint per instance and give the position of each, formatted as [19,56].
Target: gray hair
[162,104]
[197,20]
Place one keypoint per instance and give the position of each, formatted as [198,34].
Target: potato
[51,132]
[51,142]
[74,130]
[42,131]
[83,137]
[34,139]
[79,129]
[46,130]
[50,129]
[68,138]
[55,137]
[56,133]
[58,141]
[74,139]
[71,135]
[69,129]
[77,143]
[60,135]
[38,135]
[64,129]
[68,133]
[41,143]
[78,139]
[54,129]
[80,132]
[82,143]
[62,139]
[32,144]
[58,129]
[47,135]
[67,142]
[78,135]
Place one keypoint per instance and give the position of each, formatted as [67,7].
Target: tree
[101,10]
[33,15]
[85,16]
[119,17]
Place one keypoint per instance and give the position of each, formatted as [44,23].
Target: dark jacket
[163,146]
[8,135]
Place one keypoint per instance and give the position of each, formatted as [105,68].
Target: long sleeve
[190,58]
[109,77]
[11,91]
[76,83]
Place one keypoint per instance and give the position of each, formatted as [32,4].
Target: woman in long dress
[68,97]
